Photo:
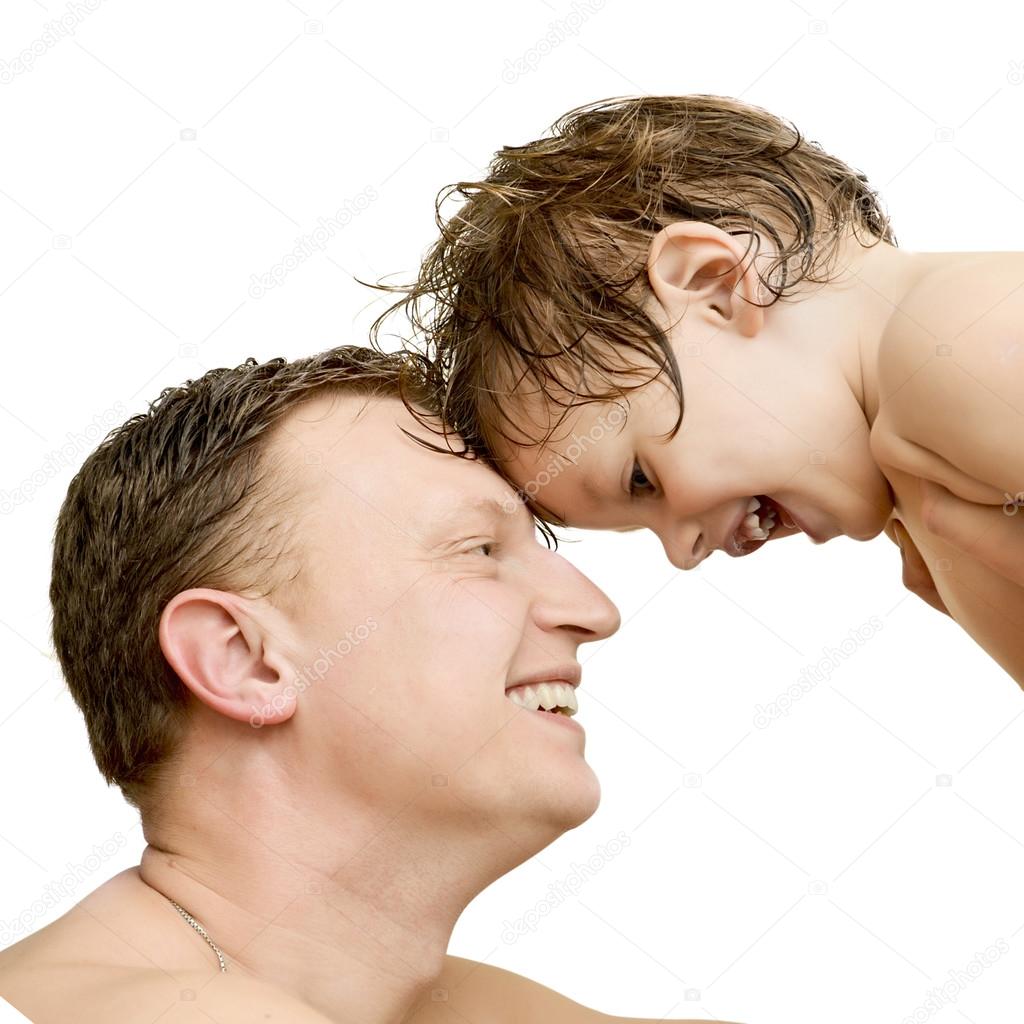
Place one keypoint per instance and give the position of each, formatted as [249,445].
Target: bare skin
[330,848]
[841,406]
[948,436]
[49,977]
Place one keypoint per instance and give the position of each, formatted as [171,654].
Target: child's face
[759,420]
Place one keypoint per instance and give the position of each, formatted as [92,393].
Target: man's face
[425,595]
[757,422]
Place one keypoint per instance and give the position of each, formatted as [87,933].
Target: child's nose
[685,547]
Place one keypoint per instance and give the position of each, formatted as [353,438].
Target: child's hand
[992,534]
[916,576]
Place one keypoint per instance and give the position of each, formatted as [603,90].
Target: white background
[816,869]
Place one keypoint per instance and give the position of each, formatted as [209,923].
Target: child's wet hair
[539,278]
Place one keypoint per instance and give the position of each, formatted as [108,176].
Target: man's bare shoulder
[41,978]
[88,993]
[468,989]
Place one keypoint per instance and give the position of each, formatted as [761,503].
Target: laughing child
[676,313]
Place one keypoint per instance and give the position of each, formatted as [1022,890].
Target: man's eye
[486,548]
[638,481]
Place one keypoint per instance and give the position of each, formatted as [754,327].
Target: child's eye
[638,481]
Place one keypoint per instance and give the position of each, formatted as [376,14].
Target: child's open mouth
[765,520]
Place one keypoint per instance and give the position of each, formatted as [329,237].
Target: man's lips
[571,672]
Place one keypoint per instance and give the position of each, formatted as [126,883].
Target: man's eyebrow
[443,513]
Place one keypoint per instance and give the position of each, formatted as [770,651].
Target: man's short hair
[184,495]
[541,275]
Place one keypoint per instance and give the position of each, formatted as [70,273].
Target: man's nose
[572,602]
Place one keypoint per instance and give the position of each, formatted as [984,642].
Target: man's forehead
[360,444]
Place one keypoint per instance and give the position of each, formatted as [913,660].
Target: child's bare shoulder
[966,313]
[950,373]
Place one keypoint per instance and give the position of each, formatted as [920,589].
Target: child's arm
[993,535]
[917,577]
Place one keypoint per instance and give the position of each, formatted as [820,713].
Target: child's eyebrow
[592,492]
[601,490]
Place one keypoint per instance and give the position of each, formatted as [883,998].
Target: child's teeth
[753,505]
[751,522]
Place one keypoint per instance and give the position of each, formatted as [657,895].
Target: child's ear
[694,263]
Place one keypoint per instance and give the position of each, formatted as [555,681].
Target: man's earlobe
[226,658]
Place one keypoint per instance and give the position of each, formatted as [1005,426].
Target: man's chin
[569,806]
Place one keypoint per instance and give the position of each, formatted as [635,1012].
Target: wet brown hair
[184,495]
[540,276]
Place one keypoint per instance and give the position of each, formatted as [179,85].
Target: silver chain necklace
[202,931]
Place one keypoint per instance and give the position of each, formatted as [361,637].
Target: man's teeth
[560,697]
[755,527]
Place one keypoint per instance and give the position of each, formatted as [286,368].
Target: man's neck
[351,915]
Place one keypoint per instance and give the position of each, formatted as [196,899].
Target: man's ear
[692,263]
[227,657]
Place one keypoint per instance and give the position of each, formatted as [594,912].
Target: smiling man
[336,676]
